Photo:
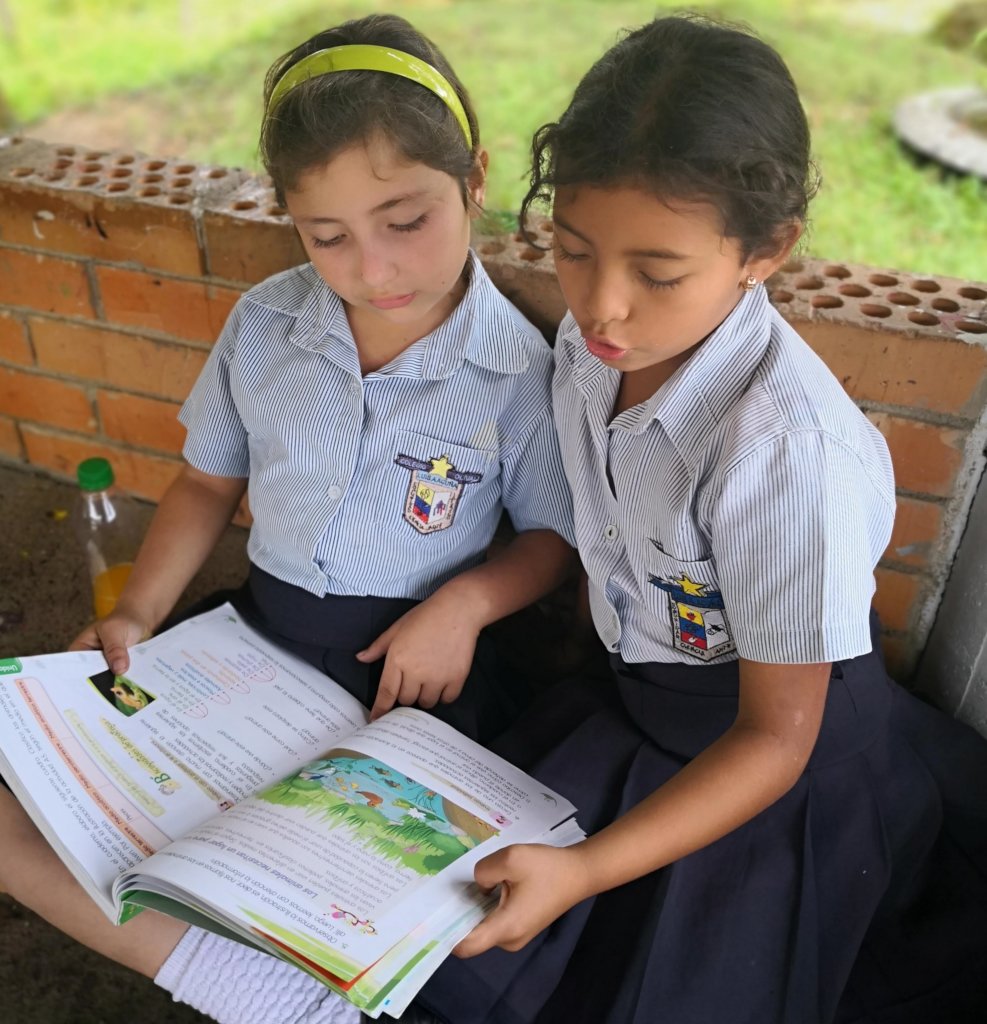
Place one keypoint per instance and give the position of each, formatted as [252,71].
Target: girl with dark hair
[777,832]
[385,404]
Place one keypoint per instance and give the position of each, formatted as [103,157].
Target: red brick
[120,360]
[14,344]
[933,374]
[10,440]
[916,533]
[19,152]
[896,598]
[144,422]
[193,310]
[926,456]
[80,222]
[885,300]
[246,249]
[526,276]
[146,476]
[44,283]
[41,399]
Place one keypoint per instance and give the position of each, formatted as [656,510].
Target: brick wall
[118,270]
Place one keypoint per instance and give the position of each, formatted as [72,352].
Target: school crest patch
[699,619]
[433,492]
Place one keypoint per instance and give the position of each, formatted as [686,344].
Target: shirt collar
[483,328]
[698,394]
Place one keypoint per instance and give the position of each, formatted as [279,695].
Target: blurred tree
[961,25]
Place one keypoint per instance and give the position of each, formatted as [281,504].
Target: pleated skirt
[859,896]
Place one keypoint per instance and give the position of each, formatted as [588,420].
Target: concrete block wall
[117,271]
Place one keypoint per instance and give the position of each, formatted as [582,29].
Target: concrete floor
[46,978]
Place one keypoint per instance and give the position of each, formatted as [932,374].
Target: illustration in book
[391,814]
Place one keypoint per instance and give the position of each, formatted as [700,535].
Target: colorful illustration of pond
[393,816]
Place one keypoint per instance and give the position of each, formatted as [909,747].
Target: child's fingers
[383,703]
[87,640]
[114,636]
[492,870]
[388,691]
[536,887]
[377,650]
[439,692]
[498,928]
[428,697]
[116,656]
[451,691]
[484,936]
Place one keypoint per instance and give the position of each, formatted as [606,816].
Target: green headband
[371,58]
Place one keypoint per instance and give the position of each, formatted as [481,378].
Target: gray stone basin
[948,126]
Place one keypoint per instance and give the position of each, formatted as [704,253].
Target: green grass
[196,78]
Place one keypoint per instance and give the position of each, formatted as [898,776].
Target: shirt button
[611,532]
[335,492]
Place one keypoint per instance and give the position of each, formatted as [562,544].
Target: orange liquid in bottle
[107,587]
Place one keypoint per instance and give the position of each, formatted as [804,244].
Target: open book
[226,782]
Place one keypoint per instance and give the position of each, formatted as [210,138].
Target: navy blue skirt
[328,631]
[859,896]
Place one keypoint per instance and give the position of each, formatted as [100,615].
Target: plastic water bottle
[109,529]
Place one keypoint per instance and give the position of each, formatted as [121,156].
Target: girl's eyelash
[650,282]
[415,225]
[565,255]
[418,222]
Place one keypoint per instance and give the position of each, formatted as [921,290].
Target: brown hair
[328,113]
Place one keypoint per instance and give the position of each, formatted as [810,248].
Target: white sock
[235,984]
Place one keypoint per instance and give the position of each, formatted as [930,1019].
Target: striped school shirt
[387,484]
[739,512]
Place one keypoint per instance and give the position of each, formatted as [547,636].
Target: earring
[750,283]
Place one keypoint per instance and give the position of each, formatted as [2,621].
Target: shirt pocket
[687,594]
[441,476]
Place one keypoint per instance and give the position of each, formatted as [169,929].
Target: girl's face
[645,281]
[388,236]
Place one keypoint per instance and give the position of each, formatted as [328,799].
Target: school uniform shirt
[739,512]
[387,484]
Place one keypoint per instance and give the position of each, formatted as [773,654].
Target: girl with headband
[382,405]
[778,833]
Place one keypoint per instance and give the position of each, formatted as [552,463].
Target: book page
[113,768]
[344,858]
[393,982]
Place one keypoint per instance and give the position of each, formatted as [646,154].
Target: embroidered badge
[699,619]
[434,492]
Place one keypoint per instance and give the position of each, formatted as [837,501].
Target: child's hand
[429,653]
[538,884]
[112,635]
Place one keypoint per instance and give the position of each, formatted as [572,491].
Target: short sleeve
[534,488]
[797,529]
[216,441]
